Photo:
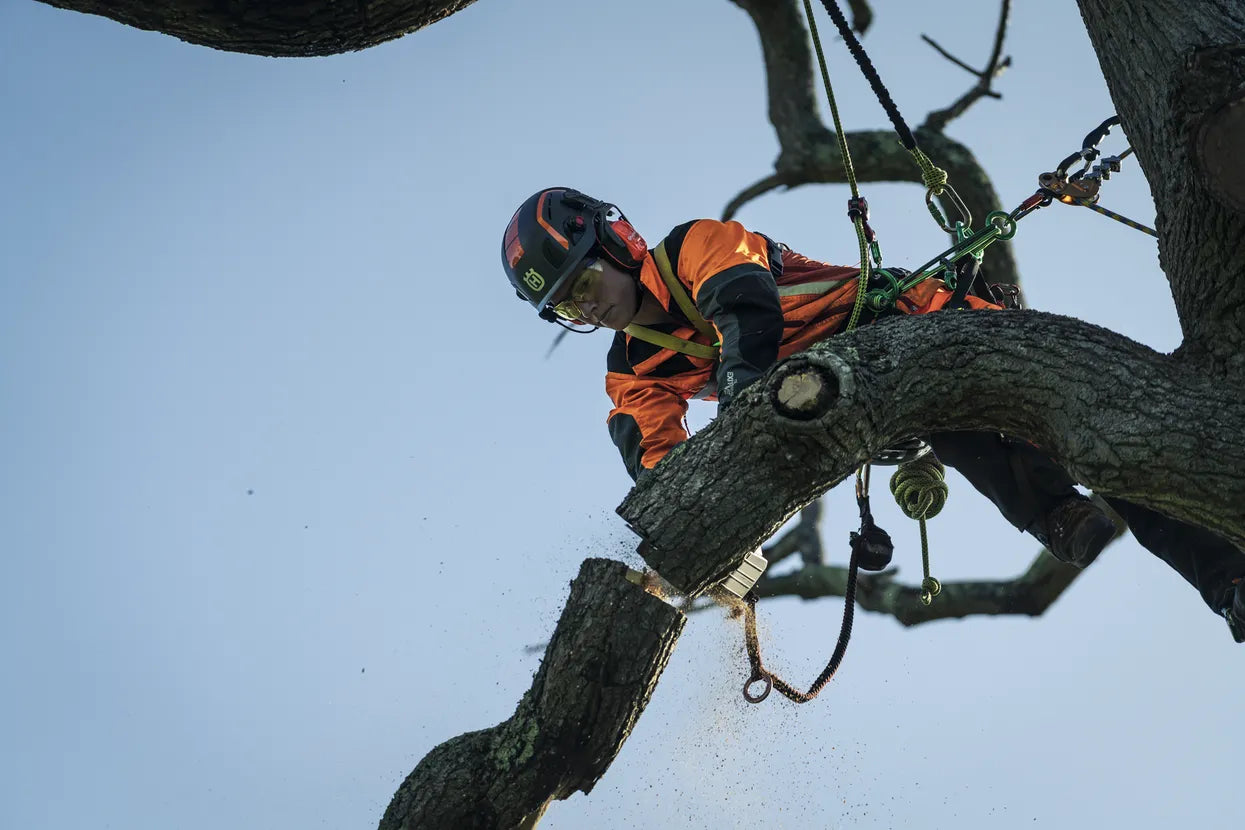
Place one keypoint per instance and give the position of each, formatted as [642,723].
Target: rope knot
[934,177]
[920,487]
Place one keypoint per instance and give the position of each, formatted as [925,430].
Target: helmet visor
[542,291]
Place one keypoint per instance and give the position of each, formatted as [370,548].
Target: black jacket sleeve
[743,303]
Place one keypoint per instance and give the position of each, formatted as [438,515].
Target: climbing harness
[685,304]
[918,484]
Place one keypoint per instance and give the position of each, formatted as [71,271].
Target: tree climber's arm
[733,286]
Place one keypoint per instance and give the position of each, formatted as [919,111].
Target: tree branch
[810,152]
[1114,413]
[752,191]
[599,670]
[1030,594]
[273,28]
[862,15]
[938,120]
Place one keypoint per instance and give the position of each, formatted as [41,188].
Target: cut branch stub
[809,385]
[802,392]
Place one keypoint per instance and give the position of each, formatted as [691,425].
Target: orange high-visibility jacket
[765,302]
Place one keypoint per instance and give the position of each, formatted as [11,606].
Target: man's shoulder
[704,232]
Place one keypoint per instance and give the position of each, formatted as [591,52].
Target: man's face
[602,294]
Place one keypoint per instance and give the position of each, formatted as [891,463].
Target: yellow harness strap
[685,304]
[669,341]
[679,295]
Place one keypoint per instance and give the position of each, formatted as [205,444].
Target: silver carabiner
[930,193]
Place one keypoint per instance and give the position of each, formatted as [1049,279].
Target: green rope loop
[920,487]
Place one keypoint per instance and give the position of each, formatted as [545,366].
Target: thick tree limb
[599,670]
[1123,419]
[275,28]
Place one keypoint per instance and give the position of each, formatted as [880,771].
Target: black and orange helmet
[552,234]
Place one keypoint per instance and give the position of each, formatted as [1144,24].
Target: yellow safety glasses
[581,290]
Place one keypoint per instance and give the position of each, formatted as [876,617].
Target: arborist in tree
[711,308]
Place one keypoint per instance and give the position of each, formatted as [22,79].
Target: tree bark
[1123,419]
[599,670]
[275,28]
[1174,69]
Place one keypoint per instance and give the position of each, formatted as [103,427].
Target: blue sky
[289,485]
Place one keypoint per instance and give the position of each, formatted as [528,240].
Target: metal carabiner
[1095,136]
[930,193]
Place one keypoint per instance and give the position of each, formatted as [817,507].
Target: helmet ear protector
[617,238]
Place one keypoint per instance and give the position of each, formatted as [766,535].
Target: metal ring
[901,452]
[877,299]
[769,684]
[1003,221]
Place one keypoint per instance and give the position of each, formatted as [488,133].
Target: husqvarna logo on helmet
[533,280]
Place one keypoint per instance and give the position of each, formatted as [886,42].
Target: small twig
[557,339]
[938,120]
[751,192]
[974,72]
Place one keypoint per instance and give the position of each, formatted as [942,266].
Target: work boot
[1234,613]
[1075,531]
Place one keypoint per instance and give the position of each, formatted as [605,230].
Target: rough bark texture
[609,648]
[1171,67]
[275,28]
[1123,419]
